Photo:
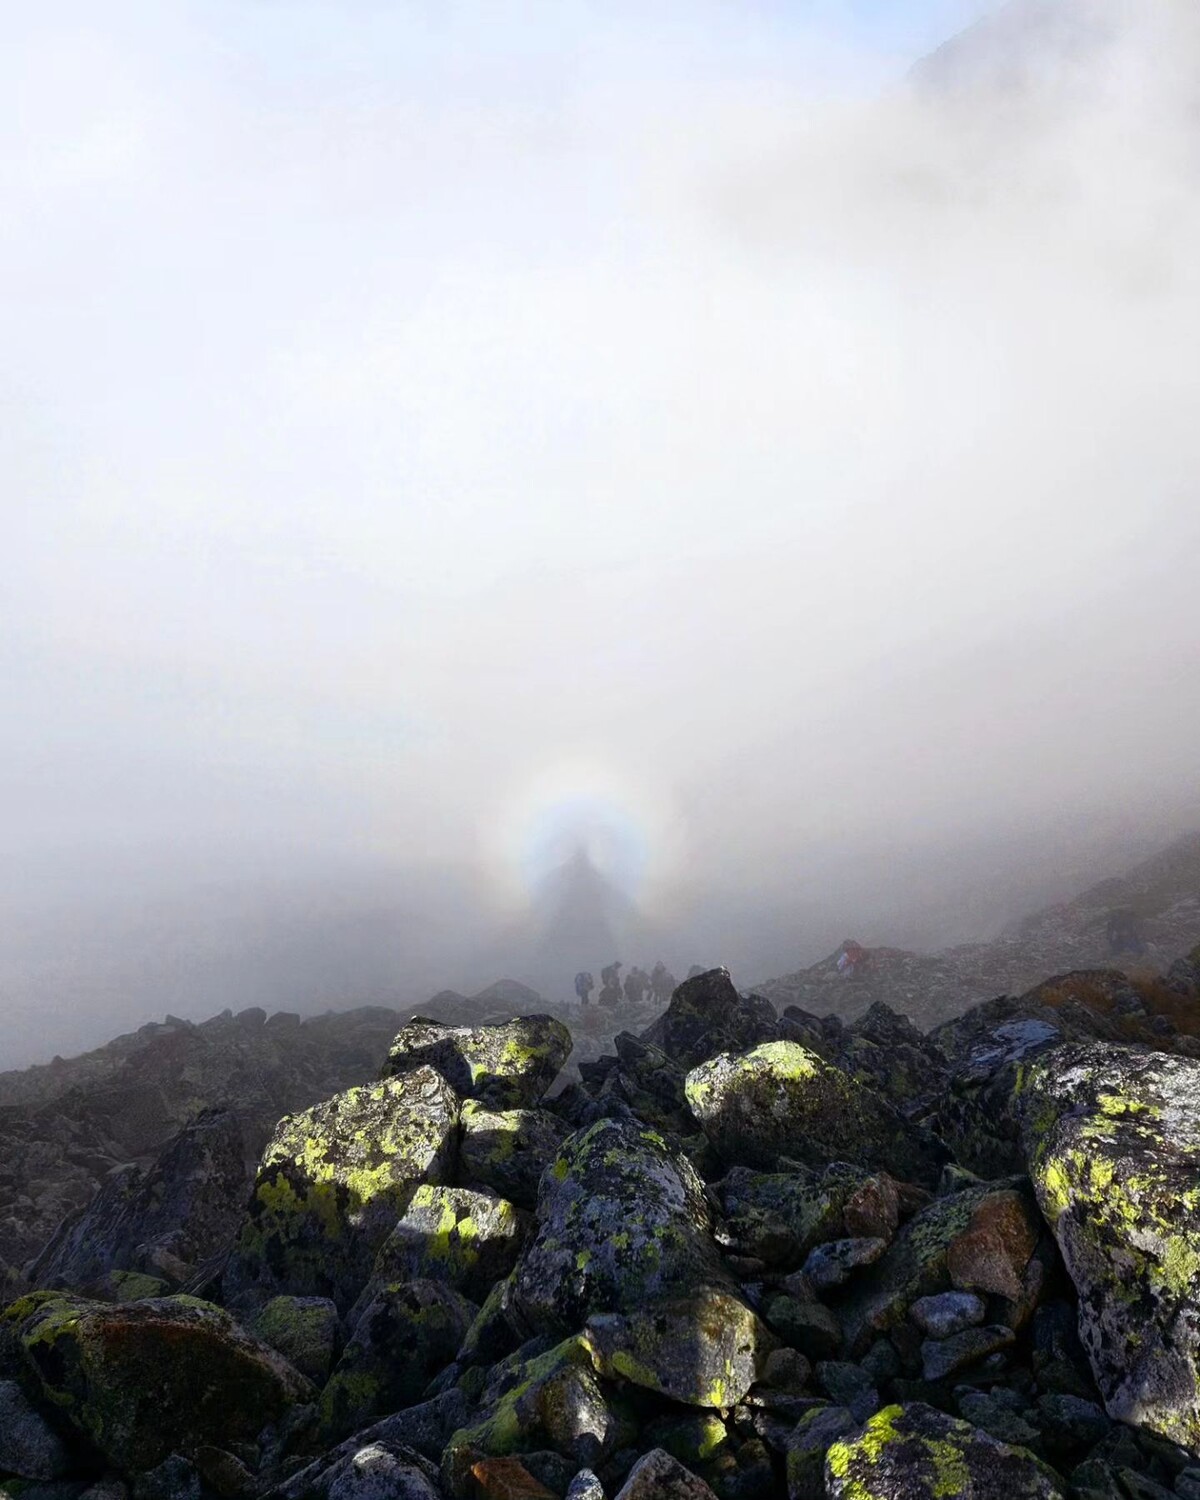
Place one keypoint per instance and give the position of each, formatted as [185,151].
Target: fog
[440,439]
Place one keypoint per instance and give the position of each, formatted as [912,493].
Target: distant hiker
[610,994]
[635,986]
[610,974]
[1124,932]
[662,983]
[584,985]
[852,961]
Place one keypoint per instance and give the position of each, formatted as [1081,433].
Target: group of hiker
[659,984]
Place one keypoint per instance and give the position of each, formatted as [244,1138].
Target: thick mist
[435,444]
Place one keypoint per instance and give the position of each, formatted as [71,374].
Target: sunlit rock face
[1113,1138]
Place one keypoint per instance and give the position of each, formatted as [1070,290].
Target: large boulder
[332,1183]
[143,1380]
[506,1151]
[466,1239]
[305,1330]
[779,1217]
[408,1333]
[916,1452]
[706,1015]
[780,1099]
[622,1217]
[187,1205]
[1113,1137]
[886,1051]
[508,1064]
[706,1349]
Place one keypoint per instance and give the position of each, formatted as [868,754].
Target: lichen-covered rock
[332,1183]
[143,1380]
[916,1265]
[404,1337]
[992,1045]
[1114,1143]
[814,1434]
[29,1446]
[508,1065]
[658,1476]
[467,1239]
[554,1401]
[622,1217]
[707,1349]
[506,1151]
[884,1049]
[779,1217]
[304,1330]
[782,1100]
[915,1452]
[706,1015]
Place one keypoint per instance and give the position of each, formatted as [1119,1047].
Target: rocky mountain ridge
[66,1126]
[1162,892]
[743,1254]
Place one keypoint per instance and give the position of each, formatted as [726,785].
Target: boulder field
[742,1255]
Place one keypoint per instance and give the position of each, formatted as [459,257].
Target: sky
[438,435]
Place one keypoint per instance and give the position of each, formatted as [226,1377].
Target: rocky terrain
[67,1126]
[1163,892]
[742,1253]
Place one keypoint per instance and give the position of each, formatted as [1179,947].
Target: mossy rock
[506,1151]
[508,1065]
[915,1452]
[304,1330]
[555,1401]
[407,1334]
[780,1099]
[132,1286]
[466,1239]
[142,1380]
[780,1217]
[622,1218]
[704,1350]
[1113,1137]
[332,1183]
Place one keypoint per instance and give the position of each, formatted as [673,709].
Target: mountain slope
[1162,893]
